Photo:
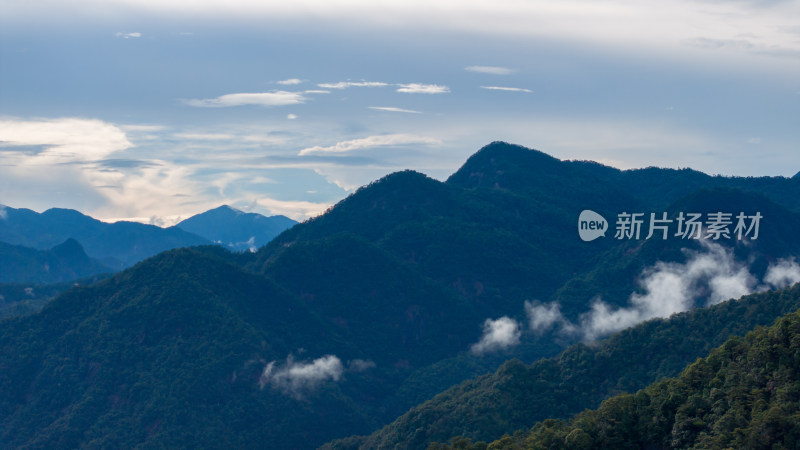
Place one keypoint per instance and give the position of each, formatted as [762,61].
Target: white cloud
[63,140]
[508,89]
[543,317]
[316,91]
[393,109]
[159,189]
[670,288]
[298,378]
[291,116]
[785,273]
[296,209]
[349,84]
[290,81]
[3,213]
[661,26]
[135,34]
[419,88]
[493,70]
[360,365]
[497,335]
[274,98]
[754,140]
[384,140]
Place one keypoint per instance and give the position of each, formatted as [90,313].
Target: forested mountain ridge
[325,331]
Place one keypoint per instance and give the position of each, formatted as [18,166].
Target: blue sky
[158,110]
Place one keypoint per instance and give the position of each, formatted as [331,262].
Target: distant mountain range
[115,246]
[234,229]
[342,323]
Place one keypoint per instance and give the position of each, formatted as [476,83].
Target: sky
[156,110]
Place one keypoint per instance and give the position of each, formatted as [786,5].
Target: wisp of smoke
[783,274]
[497,335]
[3,213]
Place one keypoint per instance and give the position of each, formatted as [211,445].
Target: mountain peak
[498,163]
[235,229]
[224,210]
[70,250]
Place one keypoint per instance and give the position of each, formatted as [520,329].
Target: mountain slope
[234,229]
[517,396]
[744,394]
[168,353]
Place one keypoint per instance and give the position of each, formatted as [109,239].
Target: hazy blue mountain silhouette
[117,245]
[64,262]
[234,229]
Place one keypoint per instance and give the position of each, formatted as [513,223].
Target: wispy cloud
[393,109]
[63,140]
[670,288]
[349,84]
[384,140]
[497,335]
[667,288]
[419,88]
[290,81]
[493,70]
[135,34]
[542,317]
[291,116]
[298,378]
[274,98]
[297,209]
[785,272]
[3,213]
[508,89]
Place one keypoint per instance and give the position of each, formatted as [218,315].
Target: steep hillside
[169,353]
